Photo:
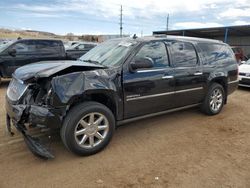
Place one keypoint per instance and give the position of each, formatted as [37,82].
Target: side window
[24,47]
[212,53]
[45,47]
[81,46]
[184,54]
[156,51]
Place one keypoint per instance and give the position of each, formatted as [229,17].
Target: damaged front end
[40,95]
[28,105]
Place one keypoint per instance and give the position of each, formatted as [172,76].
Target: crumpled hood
[244,68]
[48,68]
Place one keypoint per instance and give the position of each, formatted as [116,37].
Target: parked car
[244,74]
[119,81]
[77,50]
[26,51]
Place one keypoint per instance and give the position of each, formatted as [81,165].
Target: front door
[149,90]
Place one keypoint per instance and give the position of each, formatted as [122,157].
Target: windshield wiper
[91,61]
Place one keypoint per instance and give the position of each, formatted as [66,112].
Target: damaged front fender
[67,87]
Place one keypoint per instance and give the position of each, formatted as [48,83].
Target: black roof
[242,30]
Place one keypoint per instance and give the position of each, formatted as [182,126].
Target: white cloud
[132,8]
[233,13]
[190,25]
[241,22]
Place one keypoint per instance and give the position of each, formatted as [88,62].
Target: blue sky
[102,16]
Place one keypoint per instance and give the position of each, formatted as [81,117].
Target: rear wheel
[214,100]
[88,128]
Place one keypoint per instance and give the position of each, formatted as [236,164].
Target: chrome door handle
[198,73]
[167,77]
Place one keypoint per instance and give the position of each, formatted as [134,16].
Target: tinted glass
[24,47]
[215,52]
[80,46]
[89,46]
[48,46]
[155,51]
[110,53]
[183,54]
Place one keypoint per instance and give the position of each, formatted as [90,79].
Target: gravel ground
[181,149]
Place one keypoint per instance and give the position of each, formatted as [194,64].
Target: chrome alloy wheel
[91,130]
[216,100]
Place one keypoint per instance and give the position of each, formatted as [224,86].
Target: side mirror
[77,48]
[142,63]
[12,52]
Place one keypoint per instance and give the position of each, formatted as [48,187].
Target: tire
[214,100]
[88,128]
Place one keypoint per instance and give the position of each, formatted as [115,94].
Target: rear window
[212,53]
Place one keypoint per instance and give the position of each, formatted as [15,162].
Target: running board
[156,114]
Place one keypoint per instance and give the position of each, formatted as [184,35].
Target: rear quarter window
[214,53]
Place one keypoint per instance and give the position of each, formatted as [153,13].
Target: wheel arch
[223,82]
[108,99]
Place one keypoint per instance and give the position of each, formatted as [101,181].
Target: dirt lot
[182,149]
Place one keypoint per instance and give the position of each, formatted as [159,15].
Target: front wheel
[214,100]
[88,128]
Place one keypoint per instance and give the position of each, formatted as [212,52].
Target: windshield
[109,53]
[4,46]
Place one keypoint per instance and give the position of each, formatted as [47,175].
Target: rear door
[149,90]
[189,77]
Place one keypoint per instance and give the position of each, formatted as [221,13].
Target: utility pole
[167,22]
[141,33]
[121,22]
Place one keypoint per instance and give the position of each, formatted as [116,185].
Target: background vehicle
[68,44]
[119,81]
[25,51]
[239,54]
[244,74]
[77,50]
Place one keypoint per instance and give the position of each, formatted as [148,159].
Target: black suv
[119,81]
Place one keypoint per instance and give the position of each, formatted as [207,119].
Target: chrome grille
[16,89]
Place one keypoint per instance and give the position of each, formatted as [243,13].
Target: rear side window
[212,53]
[183,54]
[155,51]
[45,47]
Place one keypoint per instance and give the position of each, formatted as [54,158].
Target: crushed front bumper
[19,115]
[33,143]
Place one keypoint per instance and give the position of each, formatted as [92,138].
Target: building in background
[236,36]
